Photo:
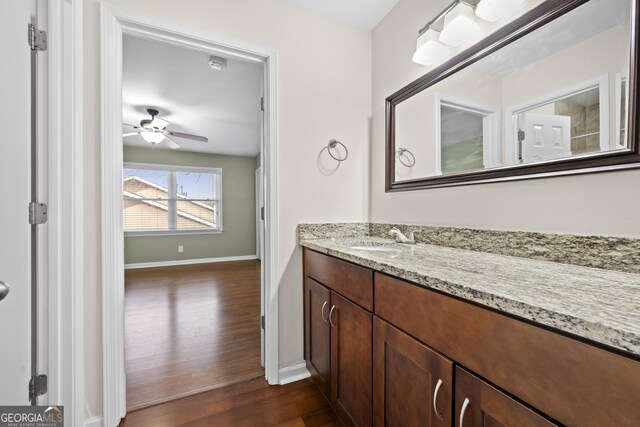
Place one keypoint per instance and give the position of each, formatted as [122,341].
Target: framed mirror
[551,93]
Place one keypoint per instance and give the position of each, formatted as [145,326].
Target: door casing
[116,21]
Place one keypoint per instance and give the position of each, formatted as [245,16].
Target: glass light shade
[460,27]
[495,10]
[429,50]
[152,137]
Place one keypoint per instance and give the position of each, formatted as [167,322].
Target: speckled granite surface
[609,253]
[600,305]
[338,229]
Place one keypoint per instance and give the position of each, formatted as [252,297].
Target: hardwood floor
[249,404]
[189,329]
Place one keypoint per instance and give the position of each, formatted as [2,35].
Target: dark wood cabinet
[338,298]
[388,352]
[351,363]
[478,404]
[317,300]
[412,384]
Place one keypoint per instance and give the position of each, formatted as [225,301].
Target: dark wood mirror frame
[532,20]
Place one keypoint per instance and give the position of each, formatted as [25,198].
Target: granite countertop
[599,305]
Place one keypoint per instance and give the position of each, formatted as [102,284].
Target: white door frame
[490,126]
[116,21]
[64,249]
[511,129]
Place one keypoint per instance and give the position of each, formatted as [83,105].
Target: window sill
[146,233]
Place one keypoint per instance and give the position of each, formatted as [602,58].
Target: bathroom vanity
[428,335]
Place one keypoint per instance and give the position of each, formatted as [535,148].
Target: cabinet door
[351,330]
[478,404]
[412,384]
[317,335]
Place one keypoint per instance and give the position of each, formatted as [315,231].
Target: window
[171,199]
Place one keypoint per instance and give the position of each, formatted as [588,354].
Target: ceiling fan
[154,131]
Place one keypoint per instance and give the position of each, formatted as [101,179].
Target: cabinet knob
[463,410]
[330,316]
[435,399]
[322,312]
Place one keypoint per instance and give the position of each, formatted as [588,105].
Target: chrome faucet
[401,238]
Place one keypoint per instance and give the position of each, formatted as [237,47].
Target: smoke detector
[217,63]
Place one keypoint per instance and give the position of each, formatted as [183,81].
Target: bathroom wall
[324,92]
[238,211]
[594,204]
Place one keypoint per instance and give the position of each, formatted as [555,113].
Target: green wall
[238,211]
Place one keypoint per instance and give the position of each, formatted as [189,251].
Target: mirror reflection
[556,93]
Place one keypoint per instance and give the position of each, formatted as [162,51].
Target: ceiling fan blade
[170,143]
[189,136]
[124,135]
[127,124]
[159,123]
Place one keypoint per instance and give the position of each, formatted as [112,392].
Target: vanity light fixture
[429,50]
[461,27]
[495,10]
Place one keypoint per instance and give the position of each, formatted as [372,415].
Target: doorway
[119,23]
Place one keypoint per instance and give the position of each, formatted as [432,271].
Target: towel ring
[332,144]
[410,159]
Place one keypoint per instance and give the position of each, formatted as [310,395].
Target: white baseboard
[189,261]
[293,373]
[93,422]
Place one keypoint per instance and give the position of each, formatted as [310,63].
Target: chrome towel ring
[406,157]
[332,145]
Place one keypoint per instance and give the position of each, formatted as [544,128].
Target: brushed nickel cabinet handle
[331,314]
[435,398]
[463,410]
[322,312]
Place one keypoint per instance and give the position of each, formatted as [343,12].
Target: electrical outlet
[180,248]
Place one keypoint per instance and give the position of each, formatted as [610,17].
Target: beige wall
[601,204]
[324,92]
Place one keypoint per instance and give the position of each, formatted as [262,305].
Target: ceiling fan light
[152,137]
[496,10]
[461,27]
[429,50]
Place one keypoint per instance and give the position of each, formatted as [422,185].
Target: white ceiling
[222,105]
[362,13]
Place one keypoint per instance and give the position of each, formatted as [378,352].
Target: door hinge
[521,138]
[37,38]
[37,213]
[262,213]
[262,321]
[262,103]
[37,386]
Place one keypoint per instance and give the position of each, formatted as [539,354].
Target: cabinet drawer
[349,280]
[571,381]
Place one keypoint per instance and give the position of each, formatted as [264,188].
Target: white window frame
[175,169]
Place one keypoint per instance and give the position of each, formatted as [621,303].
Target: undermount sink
[377,247]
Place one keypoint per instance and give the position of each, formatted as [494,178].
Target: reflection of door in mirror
[468,137]
[544,137]
[569,122]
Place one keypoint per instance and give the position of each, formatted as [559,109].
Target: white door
[546,137]
[15,231]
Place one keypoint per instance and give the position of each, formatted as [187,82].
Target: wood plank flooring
[248,404]
[189,329]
